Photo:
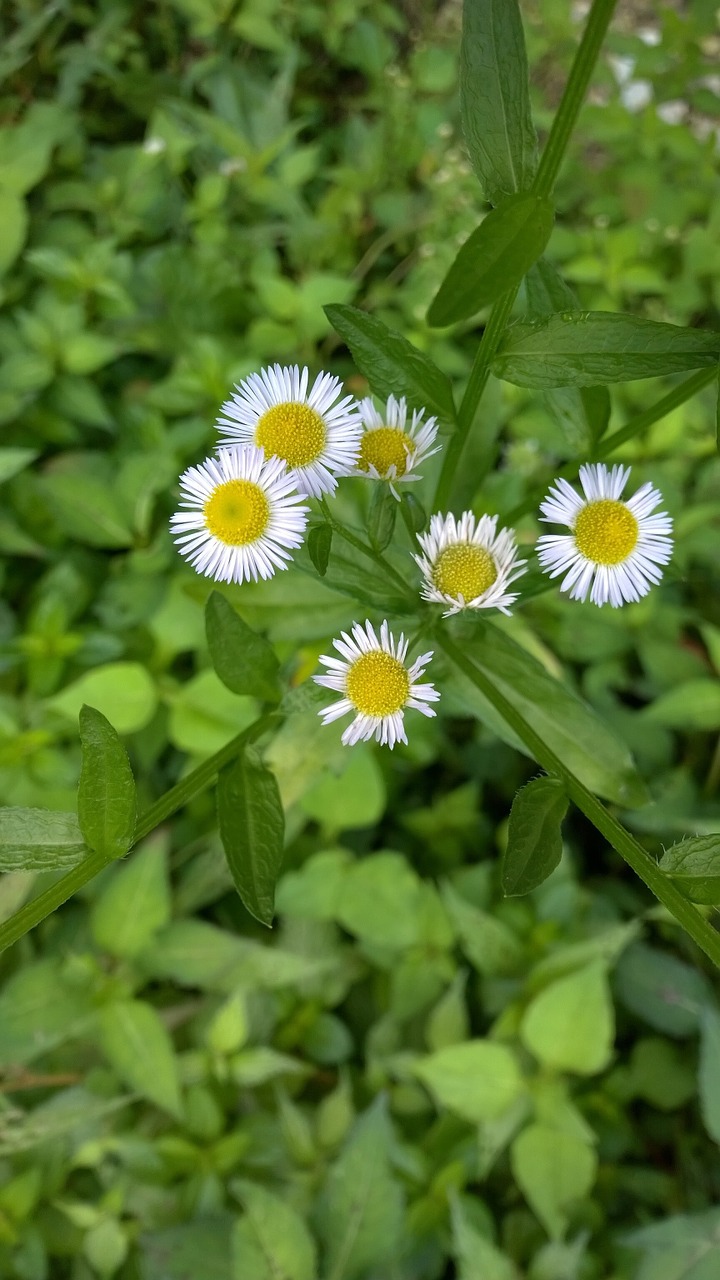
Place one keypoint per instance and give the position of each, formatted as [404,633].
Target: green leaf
[570,1026]
[14,460]
[319,542]
[360,1210]
[391,364]
[38,1010]
[354,798]
[14,223]
[554,1169]
[709,1070]
[415,510]
[134,902]
[694,865]
[39,840]
[489,943]
[122,691]
[662,990]
[85,504]
[534,843]
[581,348]
[494,259]
[252,829]
[380,901]
[475,1255]
[693,704]
[477,1080]
[244,660]
[198,1248]
[138,1047]
[382,516]
[271,1241]
[107,804]
[495,99]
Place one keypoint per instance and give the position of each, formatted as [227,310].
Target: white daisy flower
[390,449]
[241,515]
[315,437]
[376,684]
[614,547]
[467,564]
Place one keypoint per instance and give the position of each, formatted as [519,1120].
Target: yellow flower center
[378,684]
[291,431]
[606,531]
[237,513]
[383,448]
[464,570]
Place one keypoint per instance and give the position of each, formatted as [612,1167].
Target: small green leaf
[382,516]
[391,364]
[135,902]
[709,1070]
[553,1169]
[476,1256]
[252,828]
[14,223]
[478,1080]
[570,1026]
[581,348]
[694,864]
[107,804]
[122,691]
[39,840]
[271,1241]
[415,510]
[495,99]
[244,660]
[138,1047]
[494,259]
[319,543]
[693,704]
[534,844]
[661,989]
[14,460]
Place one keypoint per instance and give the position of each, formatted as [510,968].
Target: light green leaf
[709,1070]
[204,715]
[554,1169]
[14,460]
[694,865]
[243,660]
[271,1241]
[197,954]
[380,901]
[477,1080]
[694,704]
[313,892]
[494,258]
[106,789]
[39,840]
[39,1010]
[14,223]
[252,828]
[85,505]
[135,902]
[570,1025]
[475,1255]
[138,1047]
[121,691]
[489,943]
[534,843]
[354,798]
[198,1248]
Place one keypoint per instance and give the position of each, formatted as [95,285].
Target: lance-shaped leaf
[244,660]
[319,543]
[534,844]
[252,829]
[694,865]
[106,789]
[382,516]
[494,97]
[581,348]
[494,258]
[39,840]
[391,364]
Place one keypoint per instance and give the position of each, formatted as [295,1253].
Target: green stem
[684,912]
[34,912]
[364,547]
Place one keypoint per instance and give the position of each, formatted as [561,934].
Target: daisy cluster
[243,513]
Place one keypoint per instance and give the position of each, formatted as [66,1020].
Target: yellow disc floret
[606,531]
[464,569]
[292,431]
[237,513]
[383,448]
[378,684]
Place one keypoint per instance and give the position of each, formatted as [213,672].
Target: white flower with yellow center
[241,515]
[390,449]
[467,564]
[316,437]
[375,684]
[614,547]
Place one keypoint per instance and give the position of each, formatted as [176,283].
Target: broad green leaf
[271,1241]
[391,364]
[581,348]
[197,954]
[313,891]
[694,865]
[243,660]
[477,1080]
[475,1255]
[85,504]
[662,990]
[201,1247]
[570,1025]
[139,1049]
[134,902]
[124,692]
[204,715]
[360,1210]
[252,828]
[495,99]
[534,843]
[554,1169]
[380,901]
[319,542]
[107,804]
[14,223]
[354,798]
[694,704]
[39,1010]
[494,258]
[489,943]
[39,840]
[709,1070]
[26,145]
[14,460]
[106,1246]
[661,1074]
[381,516]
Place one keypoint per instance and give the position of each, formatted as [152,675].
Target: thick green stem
[686,914]
[178,796]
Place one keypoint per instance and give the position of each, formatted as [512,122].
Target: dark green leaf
[494,259]
[414,508]
[534,844]
[709,1070]
[39,840]
[252,828]
[494,97]
[391,364]
[694,865]
[662,990]
[244,660]
[319,542]
[106,790]
[581,348]
[382,516]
